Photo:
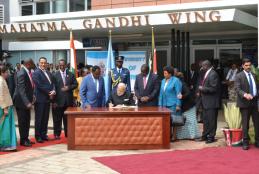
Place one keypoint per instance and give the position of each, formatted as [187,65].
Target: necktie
[32,84]
[251,89]
[145,81]
[64,78]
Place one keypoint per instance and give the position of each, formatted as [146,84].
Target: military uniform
[120,76]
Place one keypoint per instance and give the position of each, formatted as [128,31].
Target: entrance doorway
[226,54]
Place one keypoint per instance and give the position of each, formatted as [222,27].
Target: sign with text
[173,18]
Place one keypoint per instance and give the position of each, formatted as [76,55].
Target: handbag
[177,119]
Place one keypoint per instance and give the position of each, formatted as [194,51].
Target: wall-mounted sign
[95,42]
[174,18]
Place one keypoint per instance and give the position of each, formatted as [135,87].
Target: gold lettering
[214,16]
[175,17]
[188,17]
[52,26]
[23,28]
[33,28]
[200,17]
[110,22]
[87,24]
[98,24]
[124,22]
[63,26]
[41,24]
[3,29]
[147,19]
[136,22]
[13,30]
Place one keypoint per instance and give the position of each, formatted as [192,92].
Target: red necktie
[32,84]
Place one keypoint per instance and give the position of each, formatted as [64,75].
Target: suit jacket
[242,87]
[124,76]
[192,79]
[42,86]
[23,94]
[64,98]
[151,90]
[168,97]
[210,93]
[88,93]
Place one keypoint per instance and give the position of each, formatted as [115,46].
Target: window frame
[28,4]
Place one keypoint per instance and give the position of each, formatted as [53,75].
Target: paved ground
[56,159]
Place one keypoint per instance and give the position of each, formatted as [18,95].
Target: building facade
[186,31]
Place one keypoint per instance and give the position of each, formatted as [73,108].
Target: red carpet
[221,160]
[63,140]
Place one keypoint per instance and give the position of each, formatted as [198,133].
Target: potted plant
[233,133]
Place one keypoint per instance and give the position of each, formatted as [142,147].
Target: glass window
[76,5]
[42,7]
[59,6]
[27,55]
[27,10]
[59,54]
[15,58]
[47,54]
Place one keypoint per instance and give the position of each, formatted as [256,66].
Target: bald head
[206,64]
[28,63]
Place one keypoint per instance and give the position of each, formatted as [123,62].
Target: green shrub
[232,116]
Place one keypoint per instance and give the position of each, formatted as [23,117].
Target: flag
[109,66]
[152,58]
[73,66]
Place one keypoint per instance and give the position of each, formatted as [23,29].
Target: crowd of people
[197,91]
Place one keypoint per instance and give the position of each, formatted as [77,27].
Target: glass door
[229,54]
[202,52]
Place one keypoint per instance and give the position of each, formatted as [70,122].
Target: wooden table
[113,128]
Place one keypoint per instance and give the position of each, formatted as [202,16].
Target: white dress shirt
[96,81]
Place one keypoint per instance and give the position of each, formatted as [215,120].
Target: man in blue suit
[44,92]
[120,74]
[92,91]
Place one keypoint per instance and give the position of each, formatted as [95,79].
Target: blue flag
[109,66]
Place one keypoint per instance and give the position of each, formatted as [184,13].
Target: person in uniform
[120,74]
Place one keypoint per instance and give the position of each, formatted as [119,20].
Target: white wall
[14,8]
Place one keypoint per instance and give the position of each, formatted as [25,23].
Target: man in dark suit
[210,97]
[192,77]
[147,87]
[23,100]
[65,83]
[247,95]
[44,92]
[120,74]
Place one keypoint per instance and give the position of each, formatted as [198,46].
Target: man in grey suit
[65,82]
[247,95]
[210,98]
[146,87]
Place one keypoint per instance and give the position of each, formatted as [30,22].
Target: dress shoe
[39,140]
[210,140]
[245,147]
[26,144]
[57,137]
[45,138]
[201,139]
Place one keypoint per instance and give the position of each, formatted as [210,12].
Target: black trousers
[209,123]
[41,119]
[246,114]
[58,116]
[24,118]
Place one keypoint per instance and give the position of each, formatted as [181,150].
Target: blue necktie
[251,89]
